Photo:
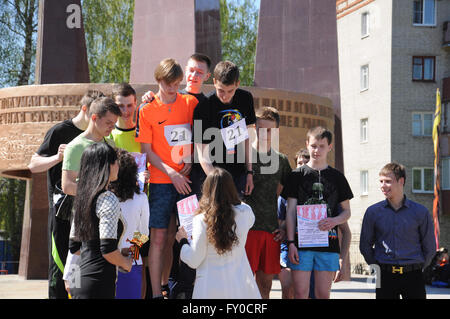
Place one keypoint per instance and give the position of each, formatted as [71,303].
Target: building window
[365,25]
[422,124]
[364,130]
[364,77]
[446,118]
[364,185]
[423,68]
[423,180]
[445,174]
[424,12]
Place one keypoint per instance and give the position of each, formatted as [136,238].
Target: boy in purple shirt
[397,235]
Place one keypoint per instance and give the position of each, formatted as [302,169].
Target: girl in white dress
[217,250]
[135,213]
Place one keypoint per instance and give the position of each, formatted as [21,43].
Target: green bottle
[317,199]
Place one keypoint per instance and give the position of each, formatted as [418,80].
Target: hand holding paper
[326,224]
[181,233]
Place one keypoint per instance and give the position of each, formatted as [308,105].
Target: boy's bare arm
[69,182]
[40,163]
[345,240]
[344,216]
[331,222]
[291,218]
[290,228]
[248,157]
[203,157]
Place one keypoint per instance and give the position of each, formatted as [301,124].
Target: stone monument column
[61,55]
[297,50]
[173,29]
[60,58]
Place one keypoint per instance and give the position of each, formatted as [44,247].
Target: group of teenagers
[213,146]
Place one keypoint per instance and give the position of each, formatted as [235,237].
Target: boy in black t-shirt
[324,261]
[223,125]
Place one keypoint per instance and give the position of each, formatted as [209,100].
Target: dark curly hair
[219,196]
[126,184]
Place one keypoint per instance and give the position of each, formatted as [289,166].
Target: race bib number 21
[178,134]
[234,134]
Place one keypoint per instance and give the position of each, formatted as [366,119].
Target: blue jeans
[162,200]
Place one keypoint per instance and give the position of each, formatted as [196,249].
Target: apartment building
[393,55]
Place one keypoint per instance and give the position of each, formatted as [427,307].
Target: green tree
[239,24]
[12,199]
[108,26]
[18,30]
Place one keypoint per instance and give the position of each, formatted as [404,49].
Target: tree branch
[10,28]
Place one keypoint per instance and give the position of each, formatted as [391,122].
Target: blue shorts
[310,260]
[162,200]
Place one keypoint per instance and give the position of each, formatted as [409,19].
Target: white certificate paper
[308,217]
[186,209]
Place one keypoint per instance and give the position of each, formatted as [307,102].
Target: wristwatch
[251,172]
[290,242]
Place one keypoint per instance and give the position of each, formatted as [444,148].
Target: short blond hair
[168,71]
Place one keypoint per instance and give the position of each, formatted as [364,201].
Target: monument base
[27,112]
[33,262]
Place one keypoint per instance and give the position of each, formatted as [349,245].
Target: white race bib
[234,134]
[178,134]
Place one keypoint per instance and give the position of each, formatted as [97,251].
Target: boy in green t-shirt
[103,114]
[270,169]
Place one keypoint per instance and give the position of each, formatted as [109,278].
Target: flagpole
[437,186]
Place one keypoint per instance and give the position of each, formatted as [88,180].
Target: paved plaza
[360,287]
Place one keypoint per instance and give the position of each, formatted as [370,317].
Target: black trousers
[58,247]
[409,285]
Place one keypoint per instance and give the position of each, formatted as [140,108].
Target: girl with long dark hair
[217,251]
[97,224]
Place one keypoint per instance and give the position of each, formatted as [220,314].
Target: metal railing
[357,263]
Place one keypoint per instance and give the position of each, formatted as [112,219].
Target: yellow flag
[437,186]
[437,120]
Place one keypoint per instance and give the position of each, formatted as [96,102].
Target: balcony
[446,37]
[445,96]
[445,99]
